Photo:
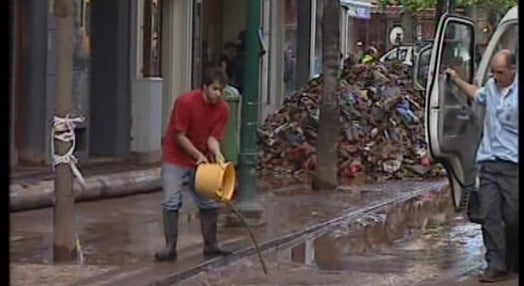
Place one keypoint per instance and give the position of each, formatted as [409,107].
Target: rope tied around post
[63,129]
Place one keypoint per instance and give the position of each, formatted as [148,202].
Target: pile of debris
[382,129]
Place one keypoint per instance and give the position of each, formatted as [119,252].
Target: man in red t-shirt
[196,126]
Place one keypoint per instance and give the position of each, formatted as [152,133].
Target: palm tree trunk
[64,214]
[325,177]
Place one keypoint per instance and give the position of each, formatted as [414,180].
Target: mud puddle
[418,240]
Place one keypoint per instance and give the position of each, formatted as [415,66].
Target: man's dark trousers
[499,211]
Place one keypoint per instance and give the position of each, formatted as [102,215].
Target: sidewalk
[119,236]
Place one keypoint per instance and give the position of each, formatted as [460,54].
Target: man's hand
[201,159]
[451,73]
[190,149]
[219,158]
[468,89]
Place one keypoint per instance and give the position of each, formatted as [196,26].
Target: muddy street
[336,258]
[412,236]
[419,242]
[126,231]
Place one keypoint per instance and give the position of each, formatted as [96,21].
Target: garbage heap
[382,129]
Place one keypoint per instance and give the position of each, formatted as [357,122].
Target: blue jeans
[176,179]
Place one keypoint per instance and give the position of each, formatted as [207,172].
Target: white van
[453,124]
[402,53]
[405,53]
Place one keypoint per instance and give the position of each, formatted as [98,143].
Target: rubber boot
[171,236]
[208,225]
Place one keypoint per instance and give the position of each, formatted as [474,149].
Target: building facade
[100,83]
[133,58]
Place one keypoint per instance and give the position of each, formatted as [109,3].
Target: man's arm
[217,134]
[187,146]
[214,146]
[469,89]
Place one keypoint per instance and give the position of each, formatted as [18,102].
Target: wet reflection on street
[127,231]
[437,249]
[420,240]
[119,237]
[421,256]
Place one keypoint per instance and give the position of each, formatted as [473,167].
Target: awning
[358,9]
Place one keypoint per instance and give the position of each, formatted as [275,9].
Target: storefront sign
[357,9]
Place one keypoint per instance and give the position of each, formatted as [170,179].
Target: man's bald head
[503,67]
[504,57]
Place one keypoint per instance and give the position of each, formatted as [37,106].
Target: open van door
[452,124]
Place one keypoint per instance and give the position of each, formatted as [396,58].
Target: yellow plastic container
[216,181]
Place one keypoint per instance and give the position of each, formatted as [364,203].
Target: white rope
[63,129]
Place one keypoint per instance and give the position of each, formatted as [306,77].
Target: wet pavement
[119,236]
[435,256]
[472,280]
[418,242]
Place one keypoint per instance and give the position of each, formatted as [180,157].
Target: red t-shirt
[198,120]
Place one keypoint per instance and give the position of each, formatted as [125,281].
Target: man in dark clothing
[226,60]
[239,62]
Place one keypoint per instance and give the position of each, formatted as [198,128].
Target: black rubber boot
[208,225]
[171,235]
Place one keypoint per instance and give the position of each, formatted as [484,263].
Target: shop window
[152,30]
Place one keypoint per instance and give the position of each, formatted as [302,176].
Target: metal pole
[248,131]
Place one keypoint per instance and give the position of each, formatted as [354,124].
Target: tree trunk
[64,215]
[325,177]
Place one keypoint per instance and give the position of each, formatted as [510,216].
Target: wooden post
[64,237]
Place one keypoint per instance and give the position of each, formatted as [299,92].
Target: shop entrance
[218,27]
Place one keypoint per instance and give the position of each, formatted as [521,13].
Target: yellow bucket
[216,181]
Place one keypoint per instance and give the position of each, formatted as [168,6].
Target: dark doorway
[110,100]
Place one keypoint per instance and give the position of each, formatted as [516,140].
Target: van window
[457,50]
[509,39]
[422,71]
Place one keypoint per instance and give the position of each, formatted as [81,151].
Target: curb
[41,195]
